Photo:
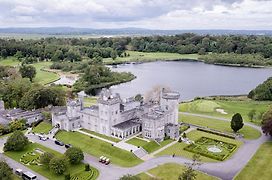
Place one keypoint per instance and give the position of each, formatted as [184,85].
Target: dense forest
[262,91]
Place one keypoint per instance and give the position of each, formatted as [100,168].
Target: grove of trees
[262,91]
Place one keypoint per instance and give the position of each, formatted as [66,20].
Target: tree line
[73,49]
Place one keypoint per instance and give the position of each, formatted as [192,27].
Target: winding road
[225,170]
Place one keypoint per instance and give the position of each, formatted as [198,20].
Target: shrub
[45,158]
[87,167]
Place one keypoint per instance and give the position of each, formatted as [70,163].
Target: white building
[113,117]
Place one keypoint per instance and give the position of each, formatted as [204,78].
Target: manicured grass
[99,148]
[178,148]
[259,167]
[224,126]
[16,155]
[89,101]
[230,106]
[43,127]
[172,171]
[149,146]
[101,135]
[137,142]
[151,56]
[153,146]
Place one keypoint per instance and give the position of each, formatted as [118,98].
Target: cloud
[155,14]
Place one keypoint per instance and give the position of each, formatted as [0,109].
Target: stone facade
[113,117]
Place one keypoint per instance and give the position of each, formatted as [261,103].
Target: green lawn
[9,61]
[172,171]
[101,135]
[137,142]
[89,101]
[178,150]
[99,148]
[230,106]
[149,146]
[43,127]
[16,155]
[224,126]
[151,56]
[259,167]
[42,77]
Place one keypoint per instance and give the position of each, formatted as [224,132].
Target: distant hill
[123,31]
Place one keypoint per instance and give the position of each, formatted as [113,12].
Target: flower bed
[204,145]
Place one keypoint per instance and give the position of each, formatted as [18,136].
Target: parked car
[68,145]
[59,143]
[28,176]
[100,159]
[103,160]
[107,161]
[19,172]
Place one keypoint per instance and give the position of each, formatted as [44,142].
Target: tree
[16,142]
[19,55]
[251,114]
[58,165]
[5,171]
[28,71]
[267,122]
[58,56]
[17,125]
[129,177]
[4,53]
[189,173]
[236,122]
[74,155]
[113,54]
[45,158]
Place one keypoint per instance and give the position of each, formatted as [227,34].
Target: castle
[114,117]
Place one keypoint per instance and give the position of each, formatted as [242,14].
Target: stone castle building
[112,116]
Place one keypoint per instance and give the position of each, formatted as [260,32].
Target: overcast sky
[152,14]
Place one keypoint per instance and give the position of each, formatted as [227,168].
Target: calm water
[191,79]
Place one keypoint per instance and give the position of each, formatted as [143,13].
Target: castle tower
[170,102]
[109,111]
[73,107]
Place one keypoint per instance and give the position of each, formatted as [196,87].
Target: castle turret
[169,102]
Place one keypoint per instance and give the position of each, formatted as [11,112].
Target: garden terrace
[211,148]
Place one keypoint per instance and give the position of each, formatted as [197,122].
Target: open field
[136,56]
[230,107]
[259,167]
[43,127]
[101,135]
[171,171]
[16,155]
[149,146]
[224,126]
[99,148]
[178,148]
[42,77]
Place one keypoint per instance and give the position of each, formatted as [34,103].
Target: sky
[150,14]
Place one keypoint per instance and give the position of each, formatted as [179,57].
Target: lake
[191,79]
